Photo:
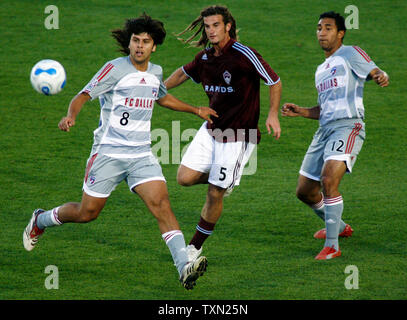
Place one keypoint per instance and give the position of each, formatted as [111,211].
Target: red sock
[203,230]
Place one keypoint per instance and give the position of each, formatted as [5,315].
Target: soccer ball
[48,77]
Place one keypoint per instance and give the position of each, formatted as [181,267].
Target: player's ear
[228,26]
[154,47]
[341,34]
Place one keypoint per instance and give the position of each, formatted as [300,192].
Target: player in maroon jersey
[230,75]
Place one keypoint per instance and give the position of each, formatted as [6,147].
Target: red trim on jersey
[109,65]
[362,53]
[105,71]
[90,163]
[352,137]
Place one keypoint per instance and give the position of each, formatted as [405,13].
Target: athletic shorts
[224,161]
[104,173]
[340,140]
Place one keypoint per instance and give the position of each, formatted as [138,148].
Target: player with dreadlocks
[230,74]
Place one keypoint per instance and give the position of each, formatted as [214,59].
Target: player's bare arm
[293,110]
[73,110]
[380,77]
[175,79]
[272,122]
[170,102]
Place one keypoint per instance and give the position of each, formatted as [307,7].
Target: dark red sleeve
[264,70]
[192,69]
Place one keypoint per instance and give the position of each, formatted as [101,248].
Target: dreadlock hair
[144,23]
[199,23]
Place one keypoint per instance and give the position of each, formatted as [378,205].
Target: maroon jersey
[232,83]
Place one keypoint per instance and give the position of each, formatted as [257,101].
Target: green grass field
[262,247]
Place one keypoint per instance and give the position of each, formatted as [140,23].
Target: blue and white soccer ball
[48,77]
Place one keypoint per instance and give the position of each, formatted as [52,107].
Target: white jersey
[340,81]
[127,99]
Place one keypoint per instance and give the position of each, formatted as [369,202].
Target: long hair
[199,23]
[144,23]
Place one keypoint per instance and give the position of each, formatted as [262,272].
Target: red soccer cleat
[347,232]
[328,253]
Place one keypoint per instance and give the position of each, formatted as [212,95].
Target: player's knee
[329,185]
[183,179]
[159,205]
[307,195]
[302,193]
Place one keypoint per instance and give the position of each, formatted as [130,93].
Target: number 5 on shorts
[222,174]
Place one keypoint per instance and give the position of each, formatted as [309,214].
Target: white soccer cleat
[32,233]
[192,271]
[193,253]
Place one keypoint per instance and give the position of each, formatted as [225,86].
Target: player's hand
[205,113]
[290,110]
[381,78]
[66,123]
[272,123]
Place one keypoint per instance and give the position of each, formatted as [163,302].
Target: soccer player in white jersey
[339,81]
[127,88]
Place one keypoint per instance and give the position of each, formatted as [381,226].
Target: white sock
[319,209]
[48,219]
[333,214]
[176,243]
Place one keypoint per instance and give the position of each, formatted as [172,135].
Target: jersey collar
[336,52]
[227,46]
[148,66]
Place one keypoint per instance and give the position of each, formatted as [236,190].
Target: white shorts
[224,161]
